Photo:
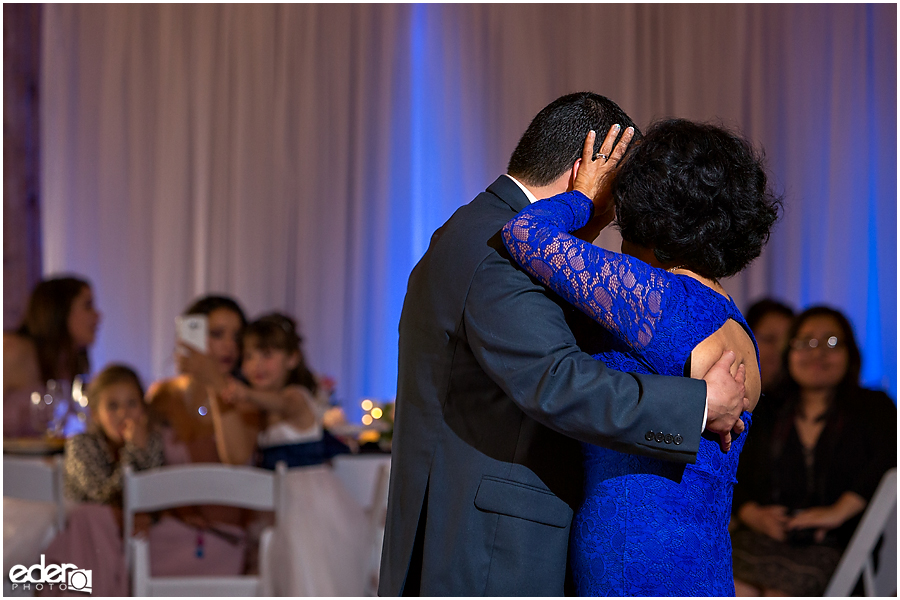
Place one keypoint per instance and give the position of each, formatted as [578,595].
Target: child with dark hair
[284,388]
[318,506]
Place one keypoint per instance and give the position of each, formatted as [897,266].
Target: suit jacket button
[648,436]
[678,439]
[659,437]
[669,438]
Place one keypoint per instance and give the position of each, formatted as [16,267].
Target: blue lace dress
[647,527]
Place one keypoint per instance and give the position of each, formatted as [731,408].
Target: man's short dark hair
[554,139]
[697,195]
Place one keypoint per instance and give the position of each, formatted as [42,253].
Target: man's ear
[573,173]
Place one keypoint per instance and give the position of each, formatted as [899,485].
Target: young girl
[119,435]
[285,390]
[319,546]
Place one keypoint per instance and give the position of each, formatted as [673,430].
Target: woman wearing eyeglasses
[806,476]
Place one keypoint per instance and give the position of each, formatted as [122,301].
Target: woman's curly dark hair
[697,195]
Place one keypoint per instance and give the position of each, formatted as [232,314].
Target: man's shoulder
[485,214]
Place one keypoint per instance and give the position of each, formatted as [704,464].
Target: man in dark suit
[495,393]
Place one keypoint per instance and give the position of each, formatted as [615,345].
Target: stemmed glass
[61,409]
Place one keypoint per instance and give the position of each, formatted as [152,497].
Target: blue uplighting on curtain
[419,130]
[159,138]
[424,135]
[879,370]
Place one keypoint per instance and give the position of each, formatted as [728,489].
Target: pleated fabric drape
[299,156]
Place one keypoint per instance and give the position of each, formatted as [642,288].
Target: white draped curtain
[298,157]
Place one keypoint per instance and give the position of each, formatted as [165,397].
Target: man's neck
[562,184]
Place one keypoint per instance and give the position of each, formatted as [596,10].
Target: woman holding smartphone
[183,402]
[183,405]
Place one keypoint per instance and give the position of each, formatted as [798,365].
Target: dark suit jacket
[493,392]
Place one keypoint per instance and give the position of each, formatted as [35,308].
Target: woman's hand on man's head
[595,173]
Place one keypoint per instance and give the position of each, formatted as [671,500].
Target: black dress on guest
[855,448]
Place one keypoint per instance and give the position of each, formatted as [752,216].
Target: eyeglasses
[807,344]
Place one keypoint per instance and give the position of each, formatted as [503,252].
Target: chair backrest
[880,519]
[36,479]
[196,484]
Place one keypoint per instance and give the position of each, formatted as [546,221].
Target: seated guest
[806,475]
[119,435]
[769,320]
[51,343]
[283,387]
[317,547]
[183,402]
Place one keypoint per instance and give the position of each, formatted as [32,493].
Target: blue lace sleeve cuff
[581,206]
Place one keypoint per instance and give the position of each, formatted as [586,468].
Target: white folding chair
[191,485]
[377,517]
[36,479]
[33,510]
[880,519]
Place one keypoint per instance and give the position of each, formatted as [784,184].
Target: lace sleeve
[622,293]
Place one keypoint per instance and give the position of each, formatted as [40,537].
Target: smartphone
[192,331]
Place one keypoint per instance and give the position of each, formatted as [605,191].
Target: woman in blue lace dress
[693,207]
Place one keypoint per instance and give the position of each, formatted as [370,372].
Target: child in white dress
[319,547]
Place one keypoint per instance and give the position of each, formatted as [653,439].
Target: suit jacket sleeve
[520,338]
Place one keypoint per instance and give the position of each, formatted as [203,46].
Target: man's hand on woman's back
[725,399]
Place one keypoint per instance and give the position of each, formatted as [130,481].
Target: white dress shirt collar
[527,192]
